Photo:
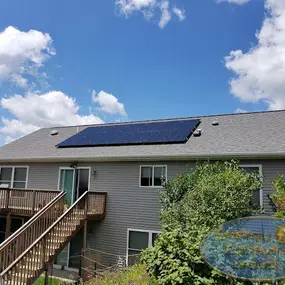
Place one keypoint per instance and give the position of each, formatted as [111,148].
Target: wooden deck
[27,202]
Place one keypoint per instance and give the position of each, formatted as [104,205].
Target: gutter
[150,157]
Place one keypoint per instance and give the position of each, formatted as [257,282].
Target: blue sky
[150,71]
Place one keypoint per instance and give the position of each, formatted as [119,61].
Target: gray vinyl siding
[43,176]
[128,205]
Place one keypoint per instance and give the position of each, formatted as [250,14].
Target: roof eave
[149,158]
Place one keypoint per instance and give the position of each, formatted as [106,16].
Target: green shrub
[278,198]
[193,203]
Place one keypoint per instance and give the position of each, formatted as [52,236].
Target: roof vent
[215,123]
[54,132]
[197,132]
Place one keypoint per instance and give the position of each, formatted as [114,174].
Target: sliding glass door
[74,181]
[67,179]
[66,183]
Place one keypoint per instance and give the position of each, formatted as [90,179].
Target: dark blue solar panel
[177,131]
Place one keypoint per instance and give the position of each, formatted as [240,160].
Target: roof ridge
[168,119]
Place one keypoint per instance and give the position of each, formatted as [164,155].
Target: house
[128,169]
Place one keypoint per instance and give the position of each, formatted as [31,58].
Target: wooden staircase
[25,255]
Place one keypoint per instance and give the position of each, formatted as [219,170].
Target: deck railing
[33,261]
[19,241]
[25,254]
[25,201]
[97,203]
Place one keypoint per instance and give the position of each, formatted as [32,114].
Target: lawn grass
[51,281]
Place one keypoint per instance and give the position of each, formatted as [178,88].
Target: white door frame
[72,200]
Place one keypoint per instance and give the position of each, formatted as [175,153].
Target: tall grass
[136,275]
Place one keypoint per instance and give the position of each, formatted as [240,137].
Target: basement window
[152,175]
[138,240]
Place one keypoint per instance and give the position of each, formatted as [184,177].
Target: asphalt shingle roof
[237,135]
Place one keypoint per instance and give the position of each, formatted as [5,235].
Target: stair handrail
[16,261]
[12,248]
[31,220]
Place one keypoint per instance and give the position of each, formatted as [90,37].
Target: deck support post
[46,275]
[85,236]
[8,225]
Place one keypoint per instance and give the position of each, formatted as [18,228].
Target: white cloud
[108,103]
[22,54]
[179,13]
[260,72]
[149,8]
[33,111]
[239,110]
[128,7]
[165,14]
[239,2]
[9,139]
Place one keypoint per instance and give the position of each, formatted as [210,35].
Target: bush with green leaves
[193,203]
[278,198]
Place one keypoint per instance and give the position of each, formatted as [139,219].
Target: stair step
[18,277]
[14,283]
[63,230]
[35,264]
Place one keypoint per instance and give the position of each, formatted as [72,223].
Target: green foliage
[175,189]
[278,198]
[193,203]
[51,281]
[133,275]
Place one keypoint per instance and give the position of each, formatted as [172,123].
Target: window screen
[146,176]
[138,240]
[6,175]
[159,175]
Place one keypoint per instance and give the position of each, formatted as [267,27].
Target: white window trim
[141,231]
[13,173]
[259,166]
[153,166]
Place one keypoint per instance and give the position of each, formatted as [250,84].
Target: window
[138,240]
[152,176]
[257,194]
[14,177]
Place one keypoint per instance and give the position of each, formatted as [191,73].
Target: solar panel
[166,132]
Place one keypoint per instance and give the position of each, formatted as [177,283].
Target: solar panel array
[166,132]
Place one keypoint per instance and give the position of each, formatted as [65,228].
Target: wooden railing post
[85,223]
[8,226]
[44,250]
[86,206]
[105,204]
[33,202]
[7,199]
